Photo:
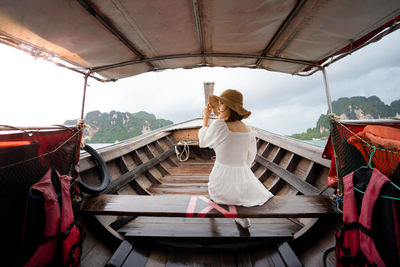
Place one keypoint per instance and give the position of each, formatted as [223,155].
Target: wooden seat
[214,230]
[198,206]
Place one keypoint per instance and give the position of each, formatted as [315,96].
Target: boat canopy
[122,38]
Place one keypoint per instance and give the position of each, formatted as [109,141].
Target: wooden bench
[208,230]
[191,209]
[198,206]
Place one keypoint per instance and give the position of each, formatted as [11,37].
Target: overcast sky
[35,92]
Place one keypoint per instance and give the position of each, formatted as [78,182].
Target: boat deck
[128,255]
[190,178]
[150,171]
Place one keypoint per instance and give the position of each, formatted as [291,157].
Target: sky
[39,93]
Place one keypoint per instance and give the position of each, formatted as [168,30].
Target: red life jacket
[61,238]
[356,241]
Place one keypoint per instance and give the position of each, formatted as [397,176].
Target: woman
[231,180]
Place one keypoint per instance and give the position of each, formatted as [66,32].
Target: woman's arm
[207,113]
[252,152]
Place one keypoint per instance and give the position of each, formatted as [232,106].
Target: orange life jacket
[380,137]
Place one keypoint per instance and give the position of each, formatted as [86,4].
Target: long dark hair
[234,116]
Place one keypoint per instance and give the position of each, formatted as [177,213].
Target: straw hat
[231,98]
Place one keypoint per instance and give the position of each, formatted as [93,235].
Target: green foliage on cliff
[317,132]
[371,105]
[352,108]
[118,126]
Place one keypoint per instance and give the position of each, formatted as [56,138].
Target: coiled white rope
[184,154]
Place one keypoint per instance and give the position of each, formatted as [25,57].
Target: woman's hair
[234,116]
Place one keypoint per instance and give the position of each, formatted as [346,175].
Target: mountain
[118,126]
[352,108]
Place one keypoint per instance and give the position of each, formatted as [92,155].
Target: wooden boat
[286,167]
[155,210]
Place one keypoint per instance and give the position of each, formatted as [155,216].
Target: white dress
[231,180]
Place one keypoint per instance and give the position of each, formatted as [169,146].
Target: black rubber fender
[104,176]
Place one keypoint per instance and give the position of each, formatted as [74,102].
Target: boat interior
[160,225]
[144,201]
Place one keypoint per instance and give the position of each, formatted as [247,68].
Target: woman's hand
[207,111]
[206,114]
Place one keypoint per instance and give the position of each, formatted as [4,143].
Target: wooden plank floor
[265,256]
[189,178]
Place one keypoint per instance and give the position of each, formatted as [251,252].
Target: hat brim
[214,101]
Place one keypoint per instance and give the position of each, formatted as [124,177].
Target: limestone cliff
[117,126]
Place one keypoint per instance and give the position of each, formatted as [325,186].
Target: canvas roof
[122,38]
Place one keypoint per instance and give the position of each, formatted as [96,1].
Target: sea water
[317,142]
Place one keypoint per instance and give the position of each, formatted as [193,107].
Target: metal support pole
[328,93]
[331,118]
[84,95]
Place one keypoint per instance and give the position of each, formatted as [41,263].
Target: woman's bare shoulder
[238,126]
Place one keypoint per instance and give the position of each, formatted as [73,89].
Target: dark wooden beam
[312,171]
[148,174]
[151,155]
[126,178]
[127,255]
[289,256]
[120,255]
[275,159]
[279,183]
[137,257]
[158,146]
[267,150]
[136,158]
[259,143]
[277,259]
[138,188]
[295,181]
[122,165]
[183,206]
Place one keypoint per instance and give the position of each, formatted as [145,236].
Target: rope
[45,154]
[184,154]
[338,200]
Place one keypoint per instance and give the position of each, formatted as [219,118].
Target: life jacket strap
[66,234]
[348,259]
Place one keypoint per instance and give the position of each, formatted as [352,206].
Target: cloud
[382,82]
